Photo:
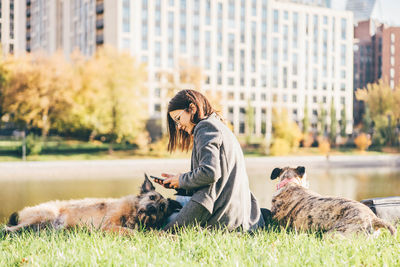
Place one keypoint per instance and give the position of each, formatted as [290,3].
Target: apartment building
[376,56]
[12,26]
[271,54]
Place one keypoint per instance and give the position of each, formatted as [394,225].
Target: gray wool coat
[218,177]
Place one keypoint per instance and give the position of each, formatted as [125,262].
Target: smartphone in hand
[157,178]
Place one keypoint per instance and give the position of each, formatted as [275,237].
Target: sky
[388,10]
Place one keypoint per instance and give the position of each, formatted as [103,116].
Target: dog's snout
[151,209]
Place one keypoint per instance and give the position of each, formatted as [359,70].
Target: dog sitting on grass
[149,210]
[295,206]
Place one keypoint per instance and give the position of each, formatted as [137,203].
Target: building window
[157,54]
[294,64]
[276,20]
[254,7]
[264,97]
[126,15]
[275,98]
[126,43]
[157,108]
[157,92]
[208,12]
[231,52]
[343,74]
[231,13]
[285,78]
[343,54]
[344,27]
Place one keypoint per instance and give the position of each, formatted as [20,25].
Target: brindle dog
[149,209]
[295,206]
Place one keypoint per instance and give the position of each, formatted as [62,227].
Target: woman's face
[182,120]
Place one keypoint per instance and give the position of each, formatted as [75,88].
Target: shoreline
[106,169]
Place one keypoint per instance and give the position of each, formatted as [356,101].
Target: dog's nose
[151,209]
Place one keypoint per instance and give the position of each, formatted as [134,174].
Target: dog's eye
[162,207]
[152,197]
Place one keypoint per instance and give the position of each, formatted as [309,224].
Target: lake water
[355,183]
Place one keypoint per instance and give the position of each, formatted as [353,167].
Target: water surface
[354,183]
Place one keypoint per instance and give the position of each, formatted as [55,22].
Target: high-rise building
[12,26]
[376,56]
[362,9]
[271,54]
[321,3]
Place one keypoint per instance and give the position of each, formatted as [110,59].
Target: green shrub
[34,145]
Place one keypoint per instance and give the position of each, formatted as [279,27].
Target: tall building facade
[12,26]
[271,54]
[362,9]
[376,56]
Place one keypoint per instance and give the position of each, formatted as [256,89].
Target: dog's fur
[293,205]
[149,209]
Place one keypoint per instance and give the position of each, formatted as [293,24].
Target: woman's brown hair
[182,100]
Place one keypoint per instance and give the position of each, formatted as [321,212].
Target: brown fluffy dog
[296,206]
[149,209]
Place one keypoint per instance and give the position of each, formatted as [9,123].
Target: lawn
[196,247]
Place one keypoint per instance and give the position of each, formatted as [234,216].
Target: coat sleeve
[207,140]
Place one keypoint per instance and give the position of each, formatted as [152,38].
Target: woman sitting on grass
[218,182]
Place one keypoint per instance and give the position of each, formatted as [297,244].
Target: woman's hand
[171,180]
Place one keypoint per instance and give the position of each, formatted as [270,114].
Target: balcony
[99,39]
[99,24]
[100,8]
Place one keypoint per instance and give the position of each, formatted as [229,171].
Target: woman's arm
[208,142]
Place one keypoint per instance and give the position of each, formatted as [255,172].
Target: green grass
[196,247]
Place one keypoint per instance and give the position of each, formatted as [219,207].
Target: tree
[39,90]
[383,106]
[343,121]
[112,96]
[333,126]
[322,121]
[367,120]
[306,120]
[378,97]
[284,130]
[249,121]
[3,82]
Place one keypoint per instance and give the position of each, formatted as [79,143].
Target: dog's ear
[300,171]
[173,205]
[147,186]
[275,173]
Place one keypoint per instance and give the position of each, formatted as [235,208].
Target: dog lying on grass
[149,210]
[295,206]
